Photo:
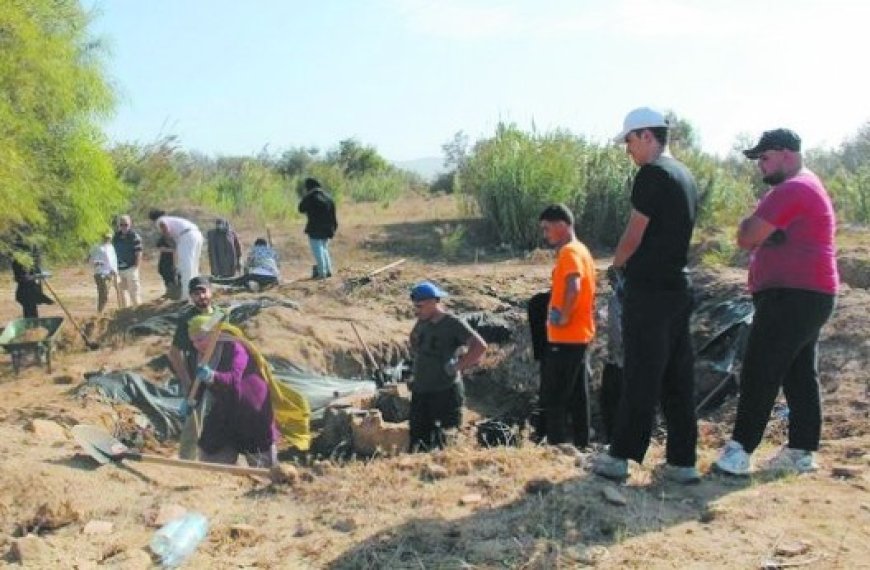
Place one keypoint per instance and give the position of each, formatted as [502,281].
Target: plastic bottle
[177,539]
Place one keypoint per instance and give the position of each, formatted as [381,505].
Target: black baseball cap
[199,282]
[777,139]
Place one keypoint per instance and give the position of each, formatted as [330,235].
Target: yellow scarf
[290,408]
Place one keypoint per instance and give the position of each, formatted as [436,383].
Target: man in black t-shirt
[437,392]
[653,256]
[183,355]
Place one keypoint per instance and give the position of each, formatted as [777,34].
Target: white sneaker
[788,460]
[733,460]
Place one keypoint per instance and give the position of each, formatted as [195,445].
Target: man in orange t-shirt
[570,329]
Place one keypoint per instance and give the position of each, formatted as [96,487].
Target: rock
[575,553]
[433,471]
[708,515]
[594,554]
[847,471]
[370,434]
[546,555]
[242,531]
[539,486]
[321,467]
[569,450]
[793,548]
[614,497]
[52,516]
[138,559]
[63,379]
[345,525]
[284,474]
[470,499]
[164,514]
[303,529]
[98,527]
[492,550]
[406,463]
[32,551]
[47,430]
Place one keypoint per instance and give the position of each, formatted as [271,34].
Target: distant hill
[427,167]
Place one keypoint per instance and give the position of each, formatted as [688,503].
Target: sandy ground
[466,507]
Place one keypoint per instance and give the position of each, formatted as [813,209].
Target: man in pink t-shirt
[793,280]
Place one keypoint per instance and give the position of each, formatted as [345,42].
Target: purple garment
[241,412]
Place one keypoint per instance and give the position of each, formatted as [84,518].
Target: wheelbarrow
[18,342]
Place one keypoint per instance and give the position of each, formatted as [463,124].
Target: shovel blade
[98,443]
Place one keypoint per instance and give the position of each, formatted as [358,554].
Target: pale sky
[229,77]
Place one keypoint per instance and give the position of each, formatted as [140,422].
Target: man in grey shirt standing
[442,346]
[128,247]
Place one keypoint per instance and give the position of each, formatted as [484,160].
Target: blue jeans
[320,251]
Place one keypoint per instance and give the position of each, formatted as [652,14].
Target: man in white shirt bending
[188,244]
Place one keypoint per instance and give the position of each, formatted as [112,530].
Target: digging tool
[365,347]
[367,278]
[88,342]
[213,326]
[104,448]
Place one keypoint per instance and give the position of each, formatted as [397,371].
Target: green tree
[356,159]
[54,173]
[296,161]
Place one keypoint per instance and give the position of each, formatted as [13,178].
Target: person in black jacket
[27,273]
[319,207]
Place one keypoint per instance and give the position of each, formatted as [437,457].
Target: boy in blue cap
[442,346]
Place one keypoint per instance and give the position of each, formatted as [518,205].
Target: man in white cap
[793,279]
[652,254]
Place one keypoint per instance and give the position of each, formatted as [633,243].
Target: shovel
[214,333]
[104,448]
[88,342]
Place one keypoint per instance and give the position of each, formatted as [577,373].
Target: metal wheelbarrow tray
[14,339]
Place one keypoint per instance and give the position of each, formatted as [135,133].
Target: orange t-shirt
[574,258]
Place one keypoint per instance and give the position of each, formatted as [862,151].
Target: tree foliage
[54,174]
[356,159]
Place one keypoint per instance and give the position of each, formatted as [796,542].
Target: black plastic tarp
[160,403]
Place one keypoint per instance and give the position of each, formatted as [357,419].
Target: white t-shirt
[104,259]
[177,226]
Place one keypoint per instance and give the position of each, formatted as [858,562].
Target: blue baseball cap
[426,290]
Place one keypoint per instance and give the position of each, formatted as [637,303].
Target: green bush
[515,174]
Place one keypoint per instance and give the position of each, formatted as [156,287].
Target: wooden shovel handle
[199,465]
[206,356]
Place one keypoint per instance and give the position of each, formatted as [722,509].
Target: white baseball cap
[640,118]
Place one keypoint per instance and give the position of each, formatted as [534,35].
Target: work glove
[204,374]
[555,316]
[451,367]
[184,410]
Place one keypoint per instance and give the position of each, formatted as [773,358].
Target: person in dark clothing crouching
[442,346]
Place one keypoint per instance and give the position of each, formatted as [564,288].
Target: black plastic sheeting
[164,324]
[160,404]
